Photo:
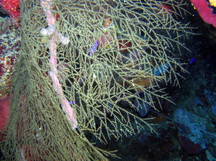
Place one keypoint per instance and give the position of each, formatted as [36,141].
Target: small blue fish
[192,60]
[72,102]
[94,47]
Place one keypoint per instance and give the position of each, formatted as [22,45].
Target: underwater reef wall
[79,62]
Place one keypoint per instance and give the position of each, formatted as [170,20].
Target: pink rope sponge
[12,8]
[205,10]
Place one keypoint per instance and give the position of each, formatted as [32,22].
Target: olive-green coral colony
[107,52]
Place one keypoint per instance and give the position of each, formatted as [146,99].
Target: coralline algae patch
[12,8]
[6,71]
[9,50]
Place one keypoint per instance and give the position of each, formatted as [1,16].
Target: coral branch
[55,36]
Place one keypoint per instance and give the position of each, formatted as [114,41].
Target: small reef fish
[192,60]
[94,47]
